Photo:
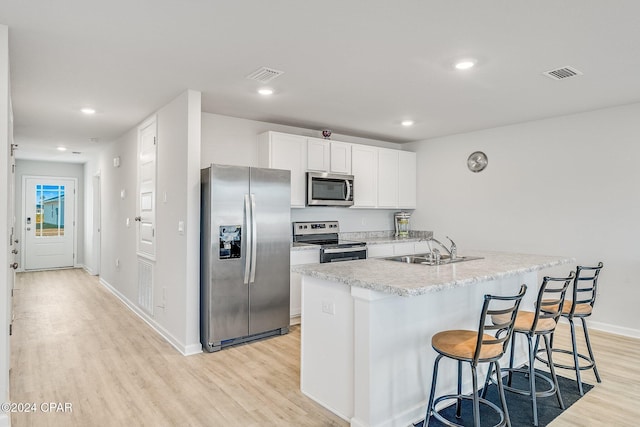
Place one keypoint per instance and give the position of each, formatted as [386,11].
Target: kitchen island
[367,328]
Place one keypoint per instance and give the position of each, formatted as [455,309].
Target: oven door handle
[341,250]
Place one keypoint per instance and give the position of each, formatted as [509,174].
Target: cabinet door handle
[14,265]
[138,218]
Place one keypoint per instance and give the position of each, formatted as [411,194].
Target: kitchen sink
[427,259]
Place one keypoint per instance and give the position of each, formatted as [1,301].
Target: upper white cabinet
[383,177]
[318,156]
[407,179]
[340,158]
[284,151]
[364,166]
[396,179]
[387,178]
[328,156]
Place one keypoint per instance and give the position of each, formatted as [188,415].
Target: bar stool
[535,324]
[585,286]
[476,347]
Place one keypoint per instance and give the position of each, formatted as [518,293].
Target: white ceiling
[357,67]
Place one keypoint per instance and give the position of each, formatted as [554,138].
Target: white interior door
[49,222]
[147,189]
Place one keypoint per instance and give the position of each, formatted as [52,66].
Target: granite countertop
[401,279]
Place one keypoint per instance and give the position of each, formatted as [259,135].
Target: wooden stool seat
[461,344]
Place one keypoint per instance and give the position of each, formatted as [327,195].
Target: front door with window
[49,223]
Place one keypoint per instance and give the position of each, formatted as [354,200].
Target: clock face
[477,161]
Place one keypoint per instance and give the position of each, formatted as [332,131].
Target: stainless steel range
[325,234]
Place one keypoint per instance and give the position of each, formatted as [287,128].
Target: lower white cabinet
[307,256]
[396,249]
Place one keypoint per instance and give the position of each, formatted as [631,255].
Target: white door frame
[97,223]
[24,209]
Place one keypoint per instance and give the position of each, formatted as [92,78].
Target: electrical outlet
[117,262]
[328,307]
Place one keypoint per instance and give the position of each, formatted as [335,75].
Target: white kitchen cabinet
[380,251]
[328,156]
[406,248]
[407,179]
[396,249]
[307,256]
[284,151]
[364,167]
[387,178]
[318,155]
[340,153]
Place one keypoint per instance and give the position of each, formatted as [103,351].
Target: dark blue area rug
[519,406]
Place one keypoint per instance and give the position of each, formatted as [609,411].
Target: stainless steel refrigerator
[245,244]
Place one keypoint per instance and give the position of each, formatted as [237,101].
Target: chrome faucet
[453,252]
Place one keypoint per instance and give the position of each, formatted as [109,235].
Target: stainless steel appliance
[245,243]
[325,234]
[401,220]
[325,189]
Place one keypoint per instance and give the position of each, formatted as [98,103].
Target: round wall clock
[477,161]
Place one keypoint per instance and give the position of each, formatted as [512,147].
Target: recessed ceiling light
[465,65]
[62,149]
[88,110]
[407,123]
[265,91]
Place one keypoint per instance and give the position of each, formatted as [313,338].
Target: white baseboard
[186,350]
[605,327]
[613,329]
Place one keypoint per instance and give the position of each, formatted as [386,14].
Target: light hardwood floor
[75,342]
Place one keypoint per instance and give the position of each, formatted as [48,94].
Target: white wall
[5,292]
[176,271]
[53,169]
[565,186]
[230,140]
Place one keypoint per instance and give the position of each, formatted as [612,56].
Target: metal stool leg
[576,360]
[430,407]
[532,381]
[459,400]
[476,401]
[593,360]
[553,371]
[503,400]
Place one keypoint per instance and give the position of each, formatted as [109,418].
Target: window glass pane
[49,210]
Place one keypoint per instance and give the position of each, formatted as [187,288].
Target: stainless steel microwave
[326,189]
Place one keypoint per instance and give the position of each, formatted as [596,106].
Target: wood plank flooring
[75,342]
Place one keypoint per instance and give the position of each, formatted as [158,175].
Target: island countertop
[404,279]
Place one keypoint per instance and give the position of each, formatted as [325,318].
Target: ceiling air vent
[562,73]
[264,74]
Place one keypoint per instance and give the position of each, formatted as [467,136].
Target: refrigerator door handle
[254,239]
[249,239]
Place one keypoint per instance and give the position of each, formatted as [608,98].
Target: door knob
[138,218]
[14,265]
[14,251]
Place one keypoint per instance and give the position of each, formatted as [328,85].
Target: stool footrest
[590,363]
[539,393]
[481,400]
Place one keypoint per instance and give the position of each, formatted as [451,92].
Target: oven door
[342,254]
[324,189]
